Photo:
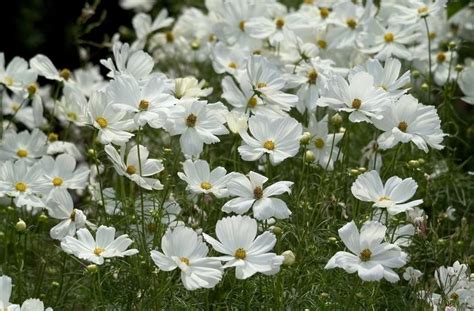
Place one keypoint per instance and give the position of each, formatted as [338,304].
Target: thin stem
[430,76]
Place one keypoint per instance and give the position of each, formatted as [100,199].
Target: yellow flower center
[312,76]
[191,120]
[269,145]
[280,22]
[73,215]
[351,23]
[20,186]
[32,88]
[102,122]
[143,105]
[57,181]
[440,57]
[322,44]
[319,143]
[72,116]
[402,126]
[206,185]
[384,198]
[65,74]
[169,37]
[454,296]
[388,37]
[365,255]
[9,81]
[252,102]
[131,169]
[324,12]
[261,84]
[232,65]
[432,35]
[242,25]
[423,10]
[22,153]
[356,103]
[240,253]
[185,260]
[98,250]
[258,193]
[52,137]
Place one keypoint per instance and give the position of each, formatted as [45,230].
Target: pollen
[20,186]
[131,169]
[312,76]
[98,250]
[191,120]
[232,65]
[324,12]
[351,23]
[432,35]
[72,217]
[22,153]
[240,253]
[356,103]
[280,22]
[242,25]
[322,44]
[185,260]
[365,255]
[57,181]
[252,102]
[402,126]
[65,74]
[72,116]
[52,137]
[269,145]
[102,122]
[261,84]
[258,193]
[206,185]
[143,105]
[9,81]
[423,10]
[32,88]
[384,198]
[440,57]
[319,143]
[388,37]
[169,37]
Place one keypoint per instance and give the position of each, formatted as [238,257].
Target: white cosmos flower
[236,121]
[412,11]
[228,60]
[105,245]
[393,196]
[198,123]
[323,144]
[267,83]
[60,206]
[466,81]
[412,275]
[277,137]
[131,167]
[72,106]
[369,256]
[23,146]
[63,174]
[148,102]
[5,293]
[276,29]
[113,125]
[390,41]
[16,75]
[137,5]
[251,194]
[360,97]
[138,64]
[33,304]
[45,67]
[387,77]
[183,249]
[22,182]
[190,88]
[144,26]
[371,158]
[200,179]
[242,249]
[407,120]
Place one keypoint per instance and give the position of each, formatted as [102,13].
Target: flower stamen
[240,253]
[365,255]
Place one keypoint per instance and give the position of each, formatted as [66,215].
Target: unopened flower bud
[441,242]
[43,218]
[336,119]
[413,163]
[354,172]
[425,87]
[421,161]
[91,152]
[459,67]
[332,239]
[277,230]
[452,45]
[415,74]
[289,258]
[305,138]
[362,169]
[309,156]
[92,268]
[55,284]
[20,225]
